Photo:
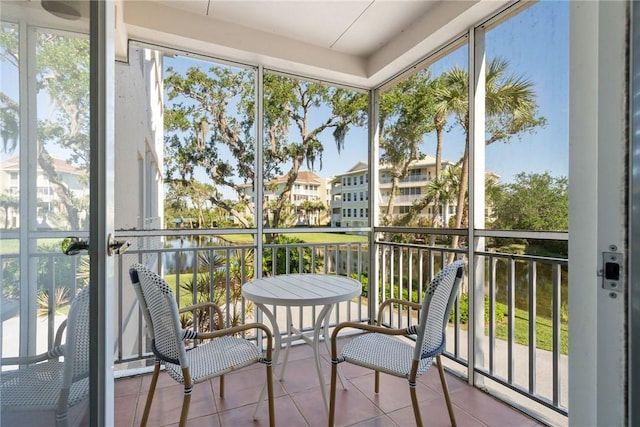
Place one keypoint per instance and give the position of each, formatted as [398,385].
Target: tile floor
[298,401]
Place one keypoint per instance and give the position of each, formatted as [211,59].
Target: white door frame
[634,224]
[597,211]
[102,24]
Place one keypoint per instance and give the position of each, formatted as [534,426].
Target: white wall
[597,211]
[138,135]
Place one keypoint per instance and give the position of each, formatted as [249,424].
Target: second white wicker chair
[45,390]
[224,352]
[382,351]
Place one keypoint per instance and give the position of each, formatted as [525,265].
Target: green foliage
[60,298]
[364,279]
[210,127]
[62,76]
[533,202]
[544,326]
[210,285]
[285,253]
[10,279]
[52,268]
[189,205]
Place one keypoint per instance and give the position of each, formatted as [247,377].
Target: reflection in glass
[9,128]
[62,64]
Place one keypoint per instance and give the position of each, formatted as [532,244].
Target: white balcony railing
[518,290]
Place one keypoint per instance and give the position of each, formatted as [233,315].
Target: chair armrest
[58,339]
[54,353]
[363,327]
[387,303]
[237,329]
[368,328]
[201,306]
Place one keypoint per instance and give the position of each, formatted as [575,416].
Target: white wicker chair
[381,351]
[45,390]
[224,352]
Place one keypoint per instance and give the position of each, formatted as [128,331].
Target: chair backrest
[434,316]
[76,350]
[160,311]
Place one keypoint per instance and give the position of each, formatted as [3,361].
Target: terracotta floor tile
[127,386]
[298,401]
[167,404]
[125,410]
[434,414]
[286,414]
[381,421]
[488,409]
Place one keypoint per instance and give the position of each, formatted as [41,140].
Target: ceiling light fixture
[63,8]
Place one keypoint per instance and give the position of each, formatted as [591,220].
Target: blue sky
[536,44]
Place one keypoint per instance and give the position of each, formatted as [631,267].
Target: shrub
[364,279]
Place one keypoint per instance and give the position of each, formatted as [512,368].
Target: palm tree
[404,120]
[442,191]
[442,97]
[510,110]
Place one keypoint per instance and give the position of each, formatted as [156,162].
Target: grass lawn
[305,237]
[11,246]
[544,331]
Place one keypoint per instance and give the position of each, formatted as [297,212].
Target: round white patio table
[300,290]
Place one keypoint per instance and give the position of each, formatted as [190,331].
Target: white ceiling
[354,42]
[352,27]
[361,43]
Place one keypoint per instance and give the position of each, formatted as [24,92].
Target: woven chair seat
[215,358]
[383,353]
[38,387]
[382,349]
[44,393]
[223,350]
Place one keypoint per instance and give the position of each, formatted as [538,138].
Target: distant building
[350,194]
[308,187]
[350,197]
[50,212]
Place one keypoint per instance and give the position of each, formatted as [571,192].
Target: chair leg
[414,403]
[445,390]
[332,393]
[376,386]
[222,386]
[152,389]
[272,411]
[186,401]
